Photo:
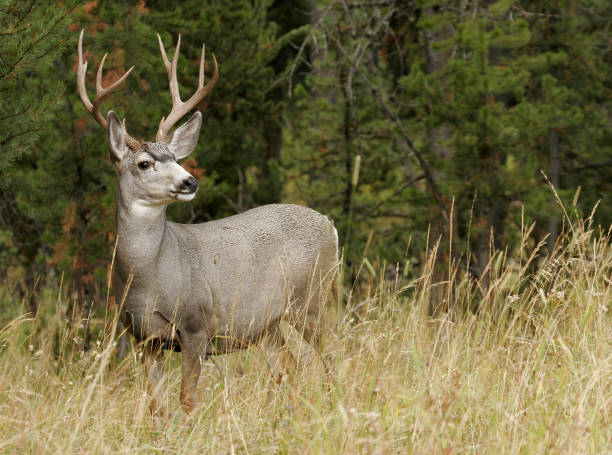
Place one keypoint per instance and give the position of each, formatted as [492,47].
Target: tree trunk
[438,139]
[345,81]
[554,174]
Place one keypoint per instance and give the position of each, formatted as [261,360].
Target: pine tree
[450,105]
[569,61]
[341,157]
[32,36]
[349,154]
[476,96]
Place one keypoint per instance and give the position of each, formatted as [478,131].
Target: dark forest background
[406,122]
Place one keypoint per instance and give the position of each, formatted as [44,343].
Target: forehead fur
[159,151]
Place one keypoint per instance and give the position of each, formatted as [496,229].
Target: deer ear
[185,137]
[116,137]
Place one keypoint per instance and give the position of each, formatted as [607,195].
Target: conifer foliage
[459,116]
[32,36]
[406,122]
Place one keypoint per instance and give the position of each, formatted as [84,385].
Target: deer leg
[313,328]
[153,359]
[273,349]
[122,342]
[193,347]
[300,347]
[303,331]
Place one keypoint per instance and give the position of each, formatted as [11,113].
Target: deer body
[207,288]
[229,280]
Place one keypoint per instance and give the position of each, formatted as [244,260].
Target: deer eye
[144,165]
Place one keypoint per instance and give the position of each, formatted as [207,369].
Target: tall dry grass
[523,365]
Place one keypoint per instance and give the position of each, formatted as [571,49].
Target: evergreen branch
[303,46]
[396,193]
[590,166]
[424,166]
[20,20]
[36,42]
[15,32]
[372,4]
[529,14]
[17,113]
[29,11]
[396,215]
[16,135]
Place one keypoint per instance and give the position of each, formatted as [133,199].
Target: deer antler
[101,92]
[180,108]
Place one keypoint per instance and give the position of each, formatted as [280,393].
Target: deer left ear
[185,137]
[116,137]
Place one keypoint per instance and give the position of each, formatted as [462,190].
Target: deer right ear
[185,137]
[116,138]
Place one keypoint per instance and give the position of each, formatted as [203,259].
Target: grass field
[527,370]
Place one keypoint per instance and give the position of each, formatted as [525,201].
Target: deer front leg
[193,347]
[153,359]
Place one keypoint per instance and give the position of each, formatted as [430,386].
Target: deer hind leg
[297,340]
[285,349]
[310,320]
[193,347]
[279,359]
[153,359]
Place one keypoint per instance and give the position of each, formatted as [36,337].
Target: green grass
[529,371]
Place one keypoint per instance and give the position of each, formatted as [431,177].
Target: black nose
[189,185]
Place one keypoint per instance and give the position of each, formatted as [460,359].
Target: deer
[210,288]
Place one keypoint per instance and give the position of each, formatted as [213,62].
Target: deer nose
[189,185]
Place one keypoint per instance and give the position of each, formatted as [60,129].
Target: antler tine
[81,71]
[171,69]
[180,108]
[201,73]
[101,92]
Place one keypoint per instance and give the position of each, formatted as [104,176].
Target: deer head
[149,173]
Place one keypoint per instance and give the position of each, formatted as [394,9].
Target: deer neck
[141,230]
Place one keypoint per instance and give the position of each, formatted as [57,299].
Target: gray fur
[213,287]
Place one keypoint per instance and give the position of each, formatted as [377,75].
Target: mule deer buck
[210,288]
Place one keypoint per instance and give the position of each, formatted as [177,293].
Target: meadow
[521,365]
